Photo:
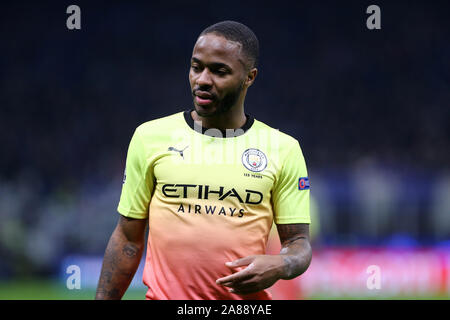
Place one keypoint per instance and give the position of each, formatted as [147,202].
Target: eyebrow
[216,65]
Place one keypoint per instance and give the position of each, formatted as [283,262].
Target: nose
[204,78]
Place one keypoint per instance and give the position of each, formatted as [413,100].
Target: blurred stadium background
[370,109]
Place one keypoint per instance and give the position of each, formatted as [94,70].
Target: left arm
[296,250]
[263,271]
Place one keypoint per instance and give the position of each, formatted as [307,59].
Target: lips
[204,94]
[203,97]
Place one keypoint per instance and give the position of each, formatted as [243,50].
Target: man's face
[217,74]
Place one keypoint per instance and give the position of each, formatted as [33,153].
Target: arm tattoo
[130,250]
[119,264]
[114,293]
[295,250]
[290,232]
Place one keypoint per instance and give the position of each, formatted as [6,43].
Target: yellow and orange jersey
[210,197]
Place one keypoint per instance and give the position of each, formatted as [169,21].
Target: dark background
[369,107]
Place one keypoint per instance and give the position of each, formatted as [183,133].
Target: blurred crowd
[370,109]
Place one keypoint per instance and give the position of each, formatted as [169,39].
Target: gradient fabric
[209,199]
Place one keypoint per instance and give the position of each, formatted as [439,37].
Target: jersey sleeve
[138,182]
[290,195]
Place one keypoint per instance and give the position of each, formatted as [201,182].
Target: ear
[251,76]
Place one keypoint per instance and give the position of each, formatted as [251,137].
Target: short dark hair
[238,32]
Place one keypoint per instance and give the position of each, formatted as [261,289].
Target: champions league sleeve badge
[254,160]
[303,183]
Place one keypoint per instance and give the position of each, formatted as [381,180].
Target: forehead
[212,48]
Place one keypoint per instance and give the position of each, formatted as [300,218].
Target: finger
[235,277]
[246,287]
[240,262]
[244,291]
[236,282]
[242,285]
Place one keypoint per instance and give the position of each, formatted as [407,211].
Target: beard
[221,106]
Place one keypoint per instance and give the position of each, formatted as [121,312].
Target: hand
[262,271]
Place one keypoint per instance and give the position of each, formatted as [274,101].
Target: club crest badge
[254,160]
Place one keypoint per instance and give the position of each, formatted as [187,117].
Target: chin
[208,111]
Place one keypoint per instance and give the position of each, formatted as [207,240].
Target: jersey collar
[190,122]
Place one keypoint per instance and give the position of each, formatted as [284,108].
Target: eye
[195,67]
[221,71]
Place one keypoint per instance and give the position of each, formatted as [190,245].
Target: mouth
[203,98]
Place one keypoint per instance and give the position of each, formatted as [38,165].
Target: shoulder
[284,150]
[150,136]
[161,125]
[284,140]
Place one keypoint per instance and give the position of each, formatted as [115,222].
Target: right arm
[122,257]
